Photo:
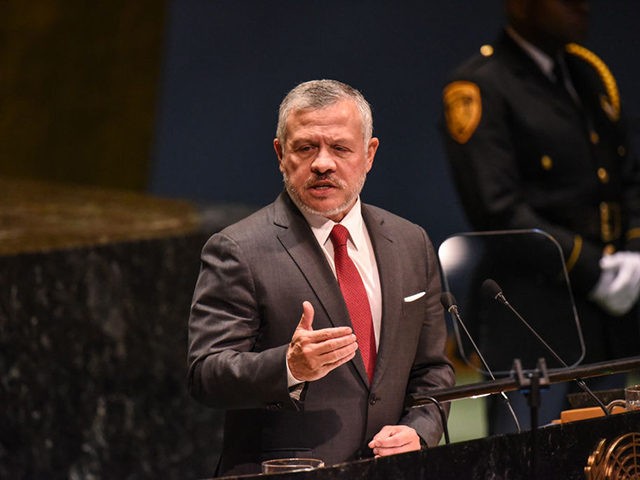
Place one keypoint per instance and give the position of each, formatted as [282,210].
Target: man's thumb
[306,321]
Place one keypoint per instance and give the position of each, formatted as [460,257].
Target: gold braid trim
[633,233]
[575,253]
[611,103]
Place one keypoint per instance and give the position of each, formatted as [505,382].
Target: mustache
[324,180]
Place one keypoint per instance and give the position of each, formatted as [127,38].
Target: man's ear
[372,148]
[278,148]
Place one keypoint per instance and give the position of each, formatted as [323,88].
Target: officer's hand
[392,439]
[619,286]
[314,353]
[599,293]
[625,288]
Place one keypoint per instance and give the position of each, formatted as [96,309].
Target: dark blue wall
[228,64]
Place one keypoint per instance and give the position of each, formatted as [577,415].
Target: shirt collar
[322,226]
[544,61]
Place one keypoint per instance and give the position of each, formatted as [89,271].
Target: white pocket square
[414,297]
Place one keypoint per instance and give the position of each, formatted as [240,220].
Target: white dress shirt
[361,253]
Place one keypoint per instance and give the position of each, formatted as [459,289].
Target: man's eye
[305,148]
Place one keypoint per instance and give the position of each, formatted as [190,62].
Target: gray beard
[343,208]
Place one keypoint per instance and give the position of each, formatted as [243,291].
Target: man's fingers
[334,343]
[338,359]
[394,439]
[314,353]
[322,335]
[329,352]
[327,334]
[346,348]
[385,432]
[306,321]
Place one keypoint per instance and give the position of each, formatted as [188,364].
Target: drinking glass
[632,397]
[281,465]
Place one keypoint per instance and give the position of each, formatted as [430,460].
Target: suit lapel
[298,240]
[388,269]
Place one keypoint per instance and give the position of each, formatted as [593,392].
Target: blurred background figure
[535,137]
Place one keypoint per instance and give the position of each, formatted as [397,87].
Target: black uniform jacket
[526,154]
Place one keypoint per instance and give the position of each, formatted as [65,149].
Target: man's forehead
[327,117]
[341,107]
[305,135]
[329,130]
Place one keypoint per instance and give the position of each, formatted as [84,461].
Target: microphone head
[447,300]
[491,289]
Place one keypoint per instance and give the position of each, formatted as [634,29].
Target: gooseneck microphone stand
[515,381]
[530,384]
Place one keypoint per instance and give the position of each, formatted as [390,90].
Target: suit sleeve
[431,369]
[224,370]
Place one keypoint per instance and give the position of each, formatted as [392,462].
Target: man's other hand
[393,439]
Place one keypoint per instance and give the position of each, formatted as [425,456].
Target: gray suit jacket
[254,276]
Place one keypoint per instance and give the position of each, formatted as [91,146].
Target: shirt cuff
[291,380]
[295,385]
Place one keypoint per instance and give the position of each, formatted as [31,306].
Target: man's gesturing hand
[392,439]
[314,353]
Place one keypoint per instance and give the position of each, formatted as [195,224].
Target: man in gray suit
[271,338]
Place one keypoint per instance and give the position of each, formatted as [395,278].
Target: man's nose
[323,162]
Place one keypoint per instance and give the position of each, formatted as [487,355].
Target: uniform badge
[462,109]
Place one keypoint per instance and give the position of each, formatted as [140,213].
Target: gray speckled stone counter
[563,452]
[93,329]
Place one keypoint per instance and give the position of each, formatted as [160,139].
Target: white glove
[618,288]
[599,293]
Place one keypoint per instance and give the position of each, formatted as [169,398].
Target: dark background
[178,98]
[228,63]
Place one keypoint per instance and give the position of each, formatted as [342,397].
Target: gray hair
[317,94]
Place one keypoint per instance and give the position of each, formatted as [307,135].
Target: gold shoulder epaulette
[610,102]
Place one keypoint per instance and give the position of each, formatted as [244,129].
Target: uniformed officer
[535,137]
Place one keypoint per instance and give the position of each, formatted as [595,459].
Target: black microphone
[448,301]
[491,289]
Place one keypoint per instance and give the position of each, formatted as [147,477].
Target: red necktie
[355,296]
